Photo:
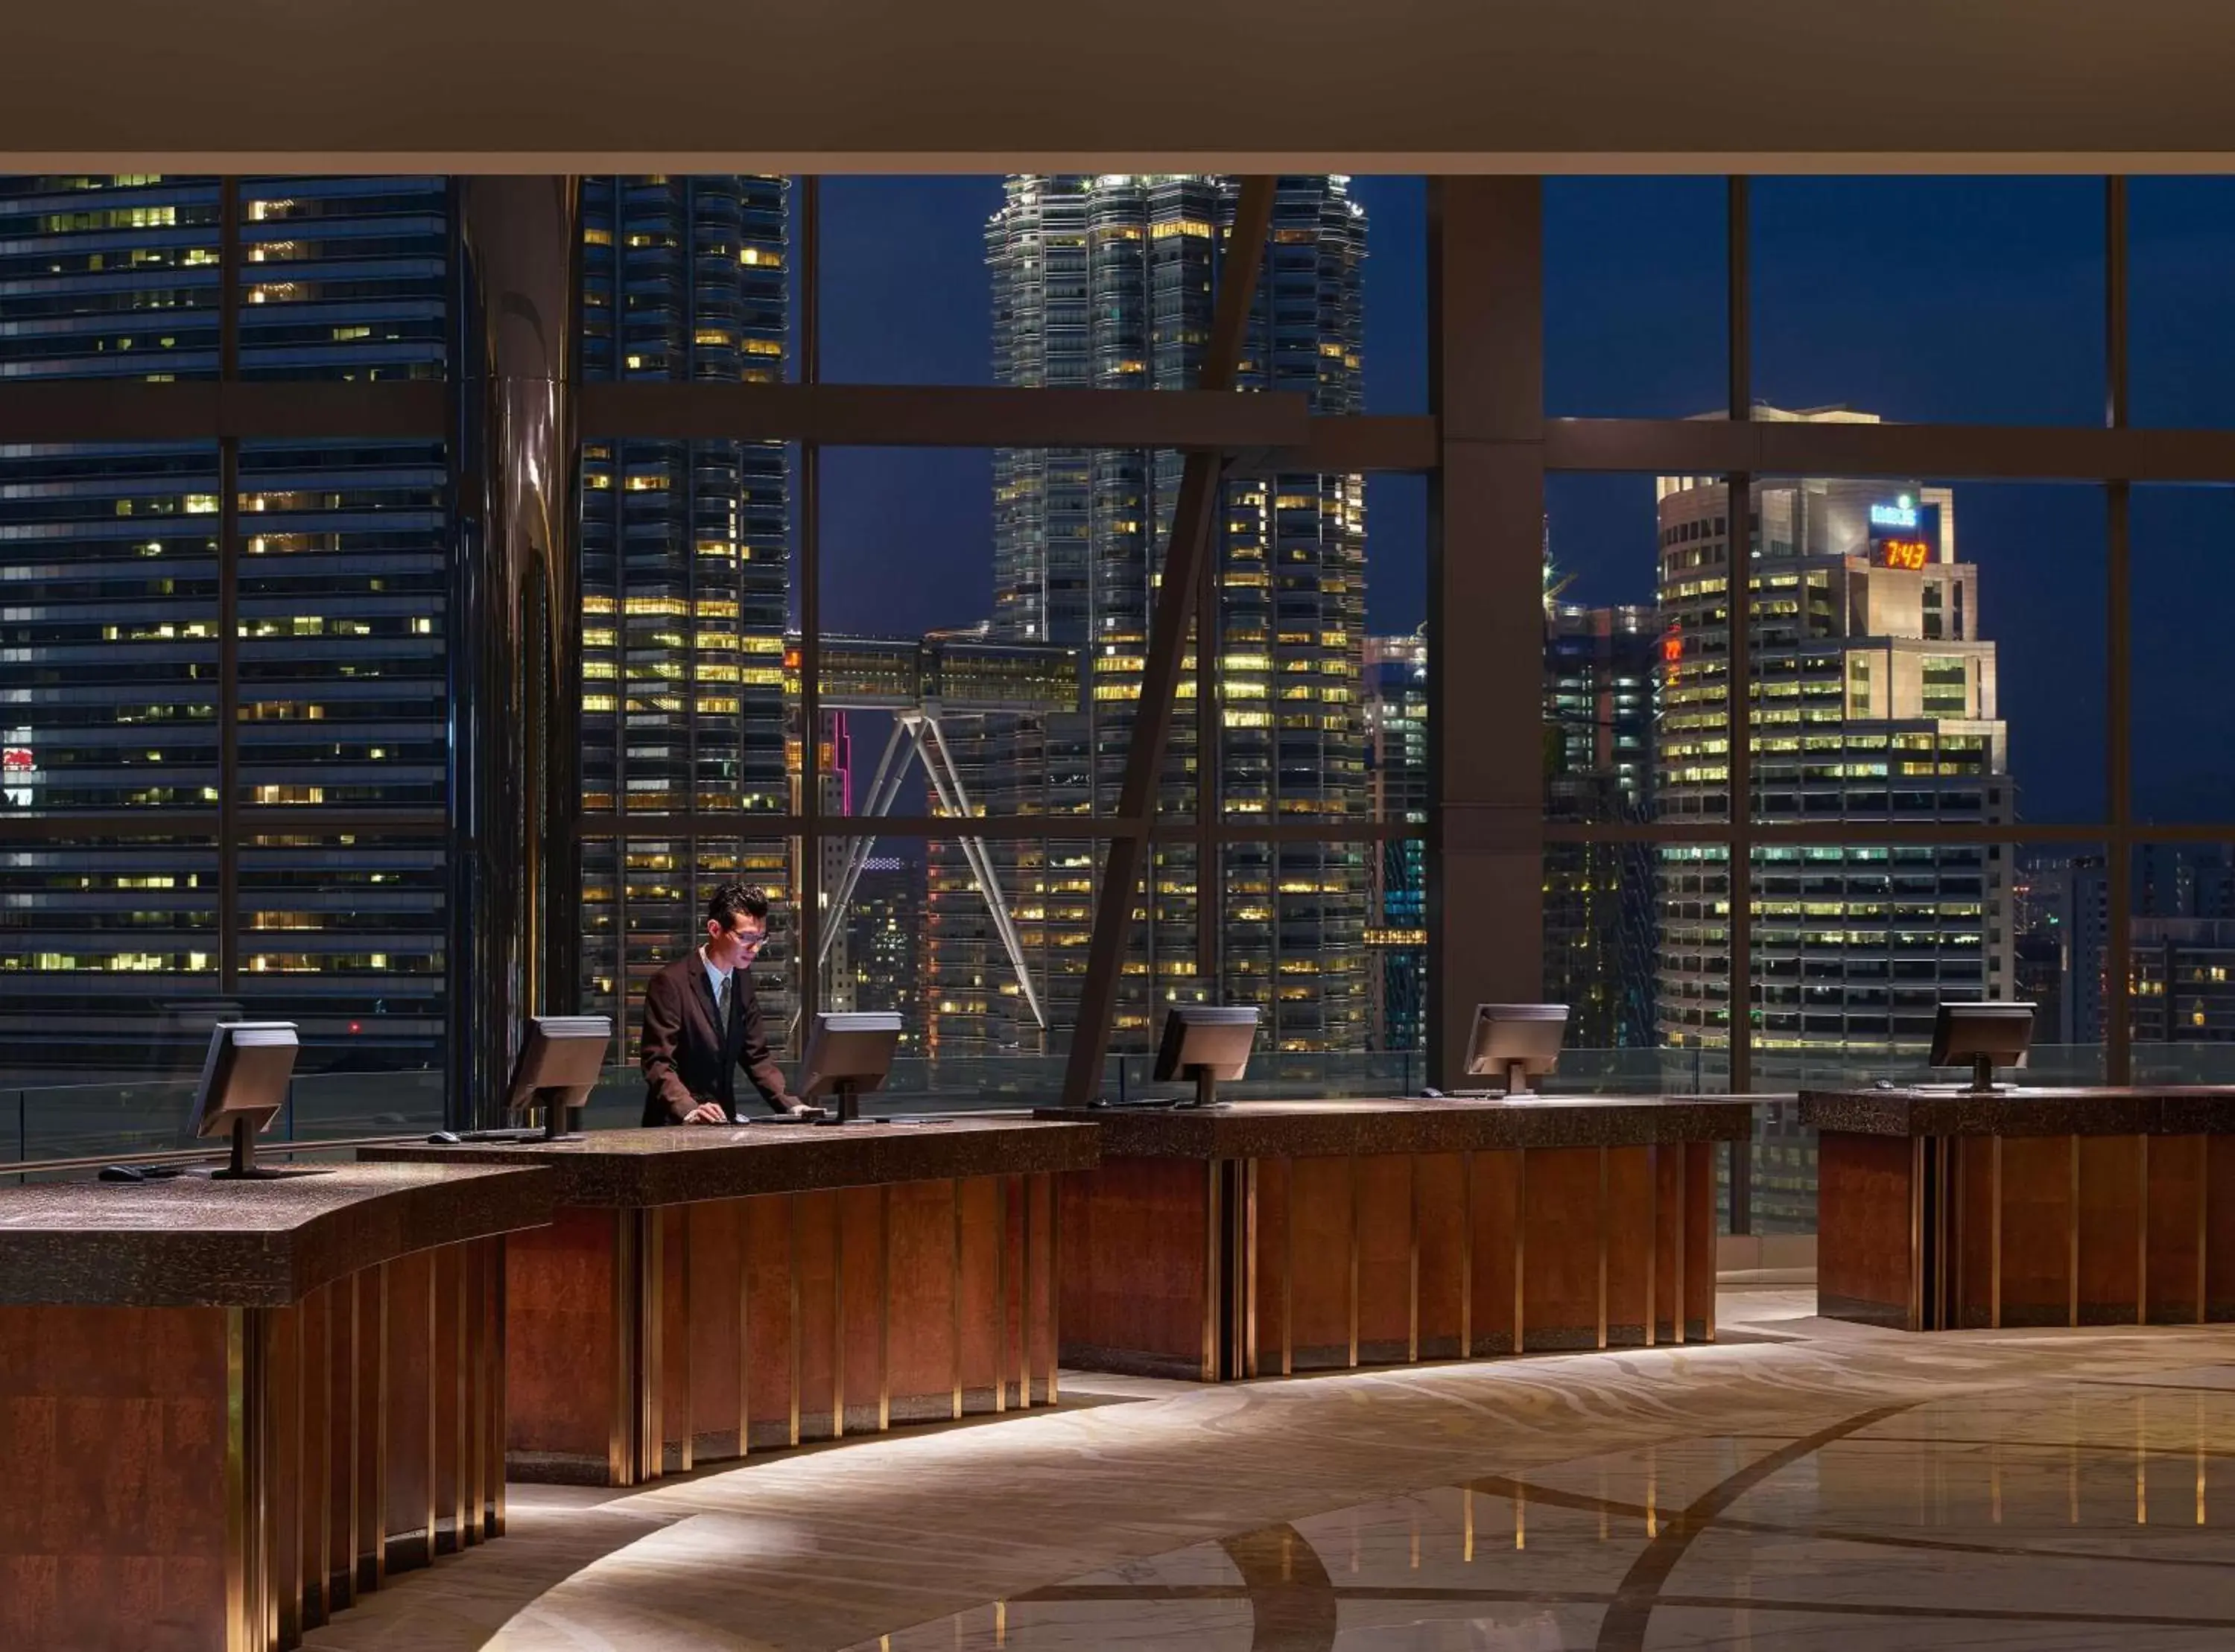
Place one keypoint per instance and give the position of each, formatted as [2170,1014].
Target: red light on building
[1672,646]
[17,759]
[1909,554]
[356,1027]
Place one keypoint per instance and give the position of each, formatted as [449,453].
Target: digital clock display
[1911,554]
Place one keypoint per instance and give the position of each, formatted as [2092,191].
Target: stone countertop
[1412,1125]
[190,1242]
[2016,1111]
[682,1164]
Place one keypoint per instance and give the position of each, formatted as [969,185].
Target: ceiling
[990,85]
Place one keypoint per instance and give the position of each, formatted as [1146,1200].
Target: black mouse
[122,1174]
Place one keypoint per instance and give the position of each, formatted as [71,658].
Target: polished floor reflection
[1801,1485]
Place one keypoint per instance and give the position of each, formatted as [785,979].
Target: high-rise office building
[685,576]
[1396,690]
[1873,697]
[1108,282]
[885,944]
[110,656]
[1600,930]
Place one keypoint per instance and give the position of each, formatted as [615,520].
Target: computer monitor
[848,1051]
[1987,1035]
[1206,1042]
[243,1087]
[557,1068]
[1518,1041]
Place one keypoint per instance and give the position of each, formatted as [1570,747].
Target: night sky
[1922,299]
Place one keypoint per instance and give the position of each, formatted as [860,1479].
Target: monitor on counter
[558,1067]
[244,1086]
[849,1052]
[1982,1036]
[1517,1042]
[1206,1042]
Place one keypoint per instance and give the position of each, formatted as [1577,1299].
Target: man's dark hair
[732,901]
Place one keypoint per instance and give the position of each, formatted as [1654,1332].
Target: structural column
[513,625]
[1485,605]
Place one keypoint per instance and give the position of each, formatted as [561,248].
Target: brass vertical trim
[2072,1238]
[954,1274]
[1678,1326]
[463,1475]
[1916,1315]
[744,1209]
[324,1547]
[686,1448]
[1055,1278]
[798,1372]
[652,1298]
[1214,1272]
[2141,1229]
[239,1569]
[1960,1298]
[1708,1326]
[1412,1263]
[1248,1271]
[1605,1171]
[884,1306]
[1520,1249]
[1025,1293]
[1000,1294]
[434,1400]
[1652,1245]
[1995,1236]
[380,1438]
[1287,1267]
[354,1536]
[498,1331]
[621,1424]
[1940,1230]
[838,1316]
[2203,1223]
[1352,1162]
[1466,1255]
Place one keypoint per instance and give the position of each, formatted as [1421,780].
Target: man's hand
[706,1113]
[799,1109]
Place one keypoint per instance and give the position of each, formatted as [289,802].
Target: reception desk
[1939,1209]
[706,1291]
[229,1408]
[1270,1237]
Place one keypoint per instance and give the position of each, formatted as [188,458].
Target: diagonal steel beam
[1200,481]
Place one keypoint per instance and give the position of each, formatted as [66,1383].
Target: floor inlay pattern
[1822,1486]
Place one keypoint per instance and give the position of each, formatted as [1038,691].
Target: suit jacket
[686,1059]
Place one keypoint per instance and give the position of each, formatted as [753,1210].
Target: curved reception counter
[228,1408]
[1942,1209]
[1265,1238]
[706,1291]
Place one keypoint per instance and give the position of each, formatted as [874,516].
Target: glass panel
[2183,974]
[344,277]
[1636,303]
[110,969]
[109,276]
[2180,313]
[1956,299]
[2183,718]
[343,580]
[343,934]
[1106,280]
[108,646]
[1901,673]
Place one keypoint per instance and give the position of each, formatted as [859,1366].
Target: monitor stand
[242,1167]
[846,1106]
[1206,1090]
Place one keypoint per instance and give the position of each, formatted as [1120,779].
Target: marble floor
[1799,1483]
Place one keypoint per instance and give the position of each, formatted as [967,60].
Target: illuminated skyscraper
[110,657]
[1396,698]
[1873,697]
[1108,282]
[685,573]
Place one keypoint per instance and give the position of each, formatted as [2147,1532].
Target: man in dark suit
[701,1022]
